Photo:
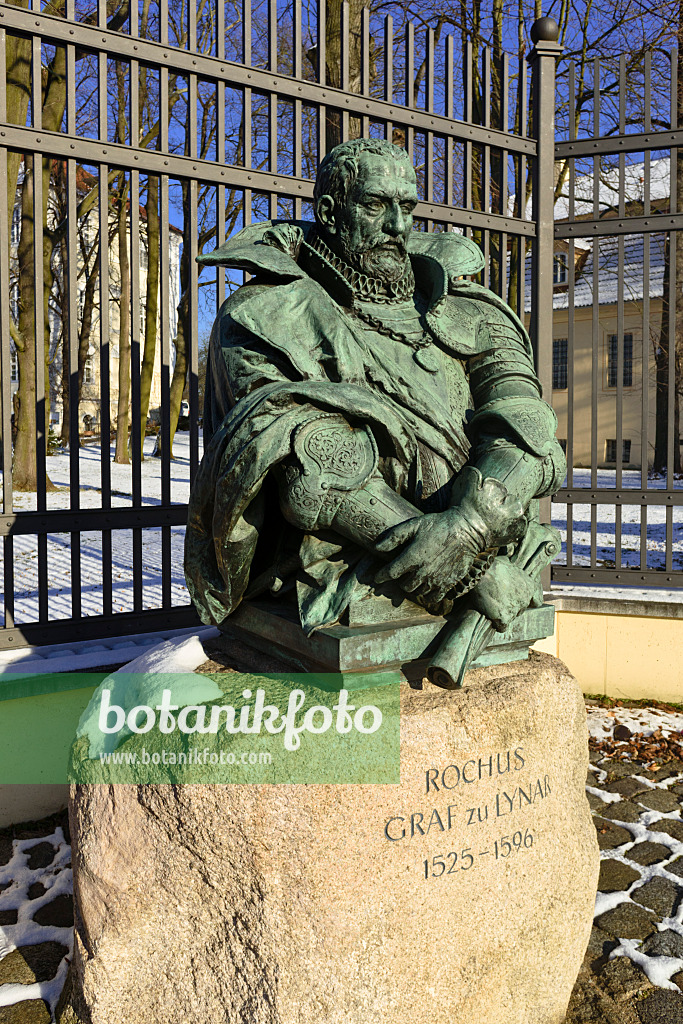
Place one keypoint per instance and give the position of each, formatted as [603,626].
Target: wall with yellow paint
[632,651]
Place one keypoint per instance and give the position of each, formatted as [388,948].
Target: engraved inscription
[447,863]
[518,786]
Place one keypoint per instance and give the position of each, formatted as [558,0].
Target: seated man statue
[372,421]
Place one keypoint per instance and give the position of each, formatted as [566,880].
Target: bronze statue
[373,423]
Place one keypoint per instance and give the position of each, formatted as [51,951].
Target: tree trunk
[123,405]
[333,48]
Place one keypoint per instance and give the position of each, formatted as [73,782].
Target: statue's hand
[439,550]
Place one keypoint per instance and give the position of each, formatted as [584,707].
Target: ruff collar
[362,286]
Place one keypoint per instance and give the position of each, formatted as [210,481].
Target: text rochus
[441,780]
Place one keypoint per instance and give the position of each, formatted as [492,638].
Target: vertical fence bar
[409,84]
[272,96]
[467,117]
[105,418]
[671,369]
[72,322]
[321,39]
[486,173]
[503,184]
[220,150]
[595,323]
[449,110]
[42,424]
[134,263]
[520,186]
[365,66]
[389,70]
[429,104]
[619,426]
[165,319]
[571,293]
[247,136]
[345,37]
[5,355]
[298,132]
[194,333]
[542,60]
[135,426]
[645,342]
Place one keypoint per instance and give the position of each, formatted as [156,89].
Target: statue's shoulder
[500,324]
[269,247]
[459,256]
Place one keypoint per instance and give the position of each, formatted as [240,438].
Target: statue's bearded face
[371,232]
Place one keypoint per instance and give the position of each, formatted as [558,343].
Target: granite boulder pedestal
[462,895]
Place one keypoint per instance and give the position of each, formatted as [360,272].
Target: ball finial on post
[544,30]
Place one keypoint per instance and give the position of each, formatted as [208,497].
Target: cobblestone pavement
[36,919]
[632,972]
[633,969]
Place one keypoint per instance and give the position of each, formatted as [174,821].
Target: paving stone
[4,885]
[678,979]
[36,890]
[591,779]
[624,810]
[677,788]
[666,771]
[8,917]
[14,970]
[595,803]
[29,1011]
[610,835]
[59,913]
[627,921]
[623,979]
[40,856]
[6,851]
[615,876]
[600,944]
[659,800]
[29,964]
[660,895]
[671,826]
[617,769]
[627,786]
[676,867]
[648,853]
[662,1007]
[665,943]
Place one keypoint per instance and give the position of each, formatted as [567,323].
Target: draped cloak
[285,347]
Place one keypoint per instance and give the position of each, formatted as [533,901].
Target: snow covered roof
[608,189]
[633,285]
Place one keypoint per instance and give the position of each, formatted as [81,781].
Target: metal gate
[618,328]
[132,139]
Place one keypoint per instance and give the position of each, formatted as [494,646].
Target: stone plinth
[464,895]
[377,636]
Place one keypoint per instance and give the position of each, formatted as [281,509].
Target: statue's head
[365,193]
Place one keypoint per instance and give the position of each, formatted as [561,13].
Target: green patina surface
[373,423]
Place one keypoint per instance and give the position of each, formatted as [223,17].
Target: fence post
[543,57]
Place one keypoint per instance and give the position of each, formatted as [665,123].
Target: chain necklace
[377,291]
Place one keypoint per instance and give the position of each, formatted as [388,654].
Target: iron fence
[618,324]
[158,128]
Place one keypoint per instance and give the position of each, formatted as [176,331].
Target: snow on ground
[655,524]
[25,556]
[645,721]
[16,879]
